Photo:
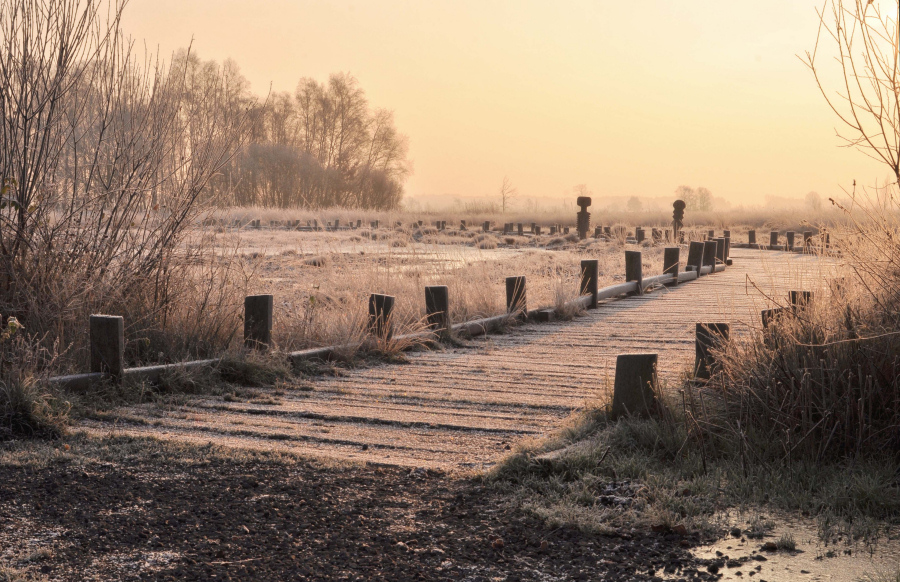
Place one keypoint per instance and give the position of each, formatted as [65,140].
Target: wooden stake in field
[635,388]
[107,338]
[709,336]
[258,321]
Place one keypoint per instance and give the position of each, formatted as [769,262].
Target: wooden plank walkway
[464,408]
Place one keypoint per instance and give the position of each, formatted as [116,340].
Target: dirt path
[463,408]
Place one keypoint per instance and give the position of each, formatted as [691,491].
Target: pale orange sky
[631,98]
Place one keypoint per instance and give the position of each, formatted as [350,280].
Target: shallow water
[813,560]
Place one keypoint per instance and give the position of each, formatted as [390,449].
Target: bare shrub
[103,159]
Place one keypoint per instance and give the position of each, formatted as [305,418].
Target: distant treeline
[321,146]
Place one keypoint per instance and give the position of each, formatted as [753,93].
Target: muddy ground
[130,509]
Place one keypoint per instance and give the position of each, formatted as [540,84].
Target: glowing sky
[631,98]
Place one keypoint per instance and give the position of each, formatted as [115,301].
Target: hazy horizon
[631,101]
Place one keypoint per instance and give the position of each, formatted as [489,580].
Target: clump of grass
[316,261]
[786,543]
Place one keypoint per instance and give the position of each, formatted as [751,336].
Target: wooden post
[807,238]
[381,310]
[590,280]
[773,239]
[258,321]
[695,256]
[670,261]
[710,248]
[711,235]
[516,300]
[537,229]
[639,235]
[486,227]
[800,298]
[437,309]
[790,240]
[633,270]
[709,336]
[521,228]
[634,392]
[107,337]
[720,251]
[552,229]
[751,237]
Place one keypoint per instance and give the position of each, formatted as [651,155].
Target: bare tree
[867,96]
[508,193]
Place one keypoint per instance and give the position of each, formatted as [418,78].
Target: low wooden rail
[107,332]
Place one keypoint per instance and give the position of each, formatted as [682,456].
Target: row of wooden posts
[107,332]
[640,233]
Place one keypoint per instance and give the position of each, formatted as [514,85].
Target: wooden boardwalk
[464,408]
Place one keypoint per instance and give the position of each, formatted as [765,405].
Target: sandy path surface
[463,408]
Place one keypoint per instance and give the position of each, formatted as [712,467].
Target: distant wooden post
[598,231]
[516,300]
[486,227]
[639,235]
[635,387]
[107,340]
[437,308]
[709,336]
[711,235]
[751,237]
[633,270]
[381,310]
[537,229]
[790,240]
[773,239]
[807,238]
[552,229]
[258,321]
[710,248]
[695,256]
[533,227]
[521,229]
[590,280]
[670,261]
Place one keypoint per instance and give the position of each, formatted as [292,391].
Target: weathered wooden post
[552,229]
[790,240]
[709,336]
[695,256]
[381,309]
[533,228]
[711,235]
[670,261]
[437,309]
[521,229]
[107,337]
[728,250]
[337,224]
[607,230]
[258,321]
[358,223]
[633,270]
[773,239]
[800,298]
[751,237]
[598,231]
[590,280]
[516,300]
[770,316]
[807,238]
[635,388]
[486,227]
[710,249]
[537,229]
[720,250]
[639,235]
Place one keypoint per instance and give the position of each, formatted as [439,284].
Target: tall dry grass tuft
[822,382]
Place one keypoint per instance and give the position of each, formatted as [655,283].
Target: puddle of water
[743,558]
